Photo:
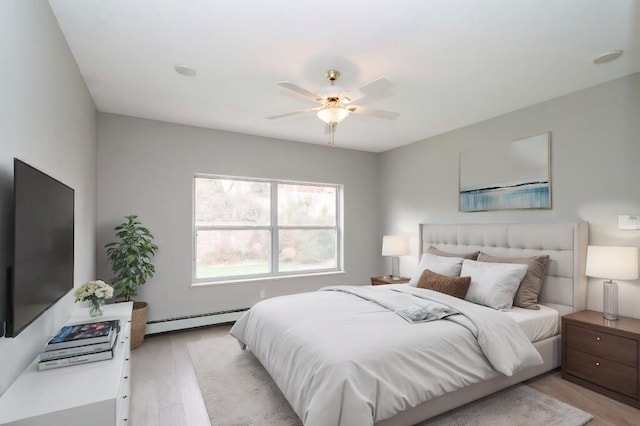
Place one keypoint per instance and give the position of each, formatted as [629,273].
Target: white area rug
[516,406]
[238,391]
[235,387]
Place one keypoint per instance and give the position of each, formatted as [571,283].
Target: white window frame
[273,229]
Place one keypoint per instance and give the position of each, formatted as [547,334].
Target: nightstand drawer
[608,374]
[608,346]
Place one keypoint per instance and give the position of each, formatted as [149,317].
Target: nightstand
[388,280]
[602,355]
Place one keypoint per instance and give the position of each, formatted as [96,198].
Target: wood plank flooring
[165,390]
[606,411]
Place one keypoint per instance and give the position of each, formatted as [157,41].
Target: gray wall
[595,149]
[48,120]
[146,168]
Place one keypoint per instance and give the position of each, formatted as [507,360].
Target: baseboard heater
[193,321]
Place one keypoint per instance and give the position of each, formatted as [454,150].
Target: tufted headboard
[565,285]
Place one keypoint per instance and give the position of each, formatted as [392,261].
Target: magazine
[78,359]
[47,355]
[83,334]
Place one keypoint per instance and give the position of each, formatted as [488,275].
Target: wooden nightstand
[388,280]
[602,355]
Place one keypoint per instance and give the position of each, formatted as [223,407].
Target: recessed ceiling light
[185,70]
[607,57]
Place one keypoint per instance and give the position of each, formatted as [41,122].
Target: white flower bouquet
[96,292]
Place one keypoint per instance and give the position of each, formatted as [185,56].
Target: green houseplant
[130,258]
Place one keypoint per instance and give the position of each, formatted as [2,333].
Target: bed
[336,368]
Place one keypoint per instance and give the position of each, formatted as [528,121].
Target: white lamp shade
[395,245]
[332,115]
[617,263]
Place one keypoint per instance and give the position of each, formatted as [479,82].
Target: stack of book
[80,344]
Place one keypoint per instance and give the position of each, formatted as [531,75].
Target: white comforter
[340,359]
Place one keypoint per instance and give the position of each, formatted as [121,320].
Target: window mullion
[232,228]
[308,227]
[274,228]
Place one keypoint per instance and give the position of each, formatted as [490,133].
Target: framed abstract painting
[515,175]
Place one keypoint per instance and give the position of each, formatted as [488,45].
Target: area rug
[235,387]
[519,405]
[239,392]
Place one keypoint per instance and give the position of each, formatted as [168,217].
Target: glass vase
[610,297]
[96,308]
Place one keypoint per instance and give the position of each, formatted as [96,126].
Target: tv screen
[43,245]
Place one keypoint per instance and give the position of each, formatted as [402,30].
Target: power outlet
[263,294]
[629,221]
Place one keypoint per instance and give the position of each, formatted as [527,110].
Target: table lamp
[394,246]
[619,263]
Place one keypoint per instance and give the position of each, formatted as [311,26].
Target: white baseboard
[192,322]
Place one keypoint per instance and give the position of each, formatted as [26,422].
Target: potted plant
[130,258]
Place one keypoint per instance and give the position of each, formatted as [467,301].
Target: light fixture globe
[332,115]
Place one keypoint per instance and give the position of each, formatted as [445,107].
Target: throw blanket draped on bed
[341,359]
[412,309]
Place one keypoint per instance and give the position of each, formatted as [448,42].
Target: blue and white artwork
[514,175]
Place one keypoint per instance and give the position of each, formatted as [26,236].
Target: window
[247,228]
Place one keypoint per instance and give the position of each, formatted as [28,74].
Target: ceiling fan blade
[379,88]
[299,90]
[286,114]
[381,84]
[387,115]
[373,97]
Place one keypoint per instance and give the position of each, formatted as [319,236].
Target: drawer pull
[124,397]
[126,377]
[597,364]
[598,339]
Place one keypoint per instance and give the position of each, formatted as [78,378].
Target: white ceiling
[452,62]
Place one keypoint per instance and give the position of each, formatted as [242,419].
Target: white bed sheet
[536,324]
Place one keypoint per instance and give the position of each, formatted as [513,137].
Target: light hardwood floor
[165,390]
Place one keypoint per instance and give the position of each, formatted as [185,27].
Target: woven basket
[138,323]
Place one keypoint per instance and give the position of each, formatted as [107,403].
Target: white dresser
[94,394]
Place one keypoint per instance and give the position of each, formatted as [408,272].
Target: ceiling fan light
[332,115]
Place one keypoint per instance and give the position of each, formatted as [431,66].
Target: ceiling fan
[336,103]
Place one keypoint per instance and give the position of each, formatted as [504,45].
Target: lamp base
[610,299]
[395,267]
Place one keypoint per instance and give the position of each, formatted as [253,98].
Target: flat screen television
[43,246]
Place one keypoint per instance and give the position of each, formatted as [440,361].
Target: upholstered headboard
[565,285]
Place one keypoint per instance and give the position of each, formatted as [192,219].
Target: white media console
[94,394]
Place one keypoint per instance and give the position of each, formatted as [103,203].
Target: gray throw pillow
[471,256]
[531,285]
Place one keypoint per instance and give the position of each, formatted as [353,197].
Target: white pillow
[493,284]
[449,266]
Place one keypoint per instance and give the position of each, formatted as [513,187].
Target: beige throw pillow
[531,285]
[438,252]
[453,286]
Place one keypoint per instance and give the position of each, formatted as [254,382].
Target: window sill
[262,279]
